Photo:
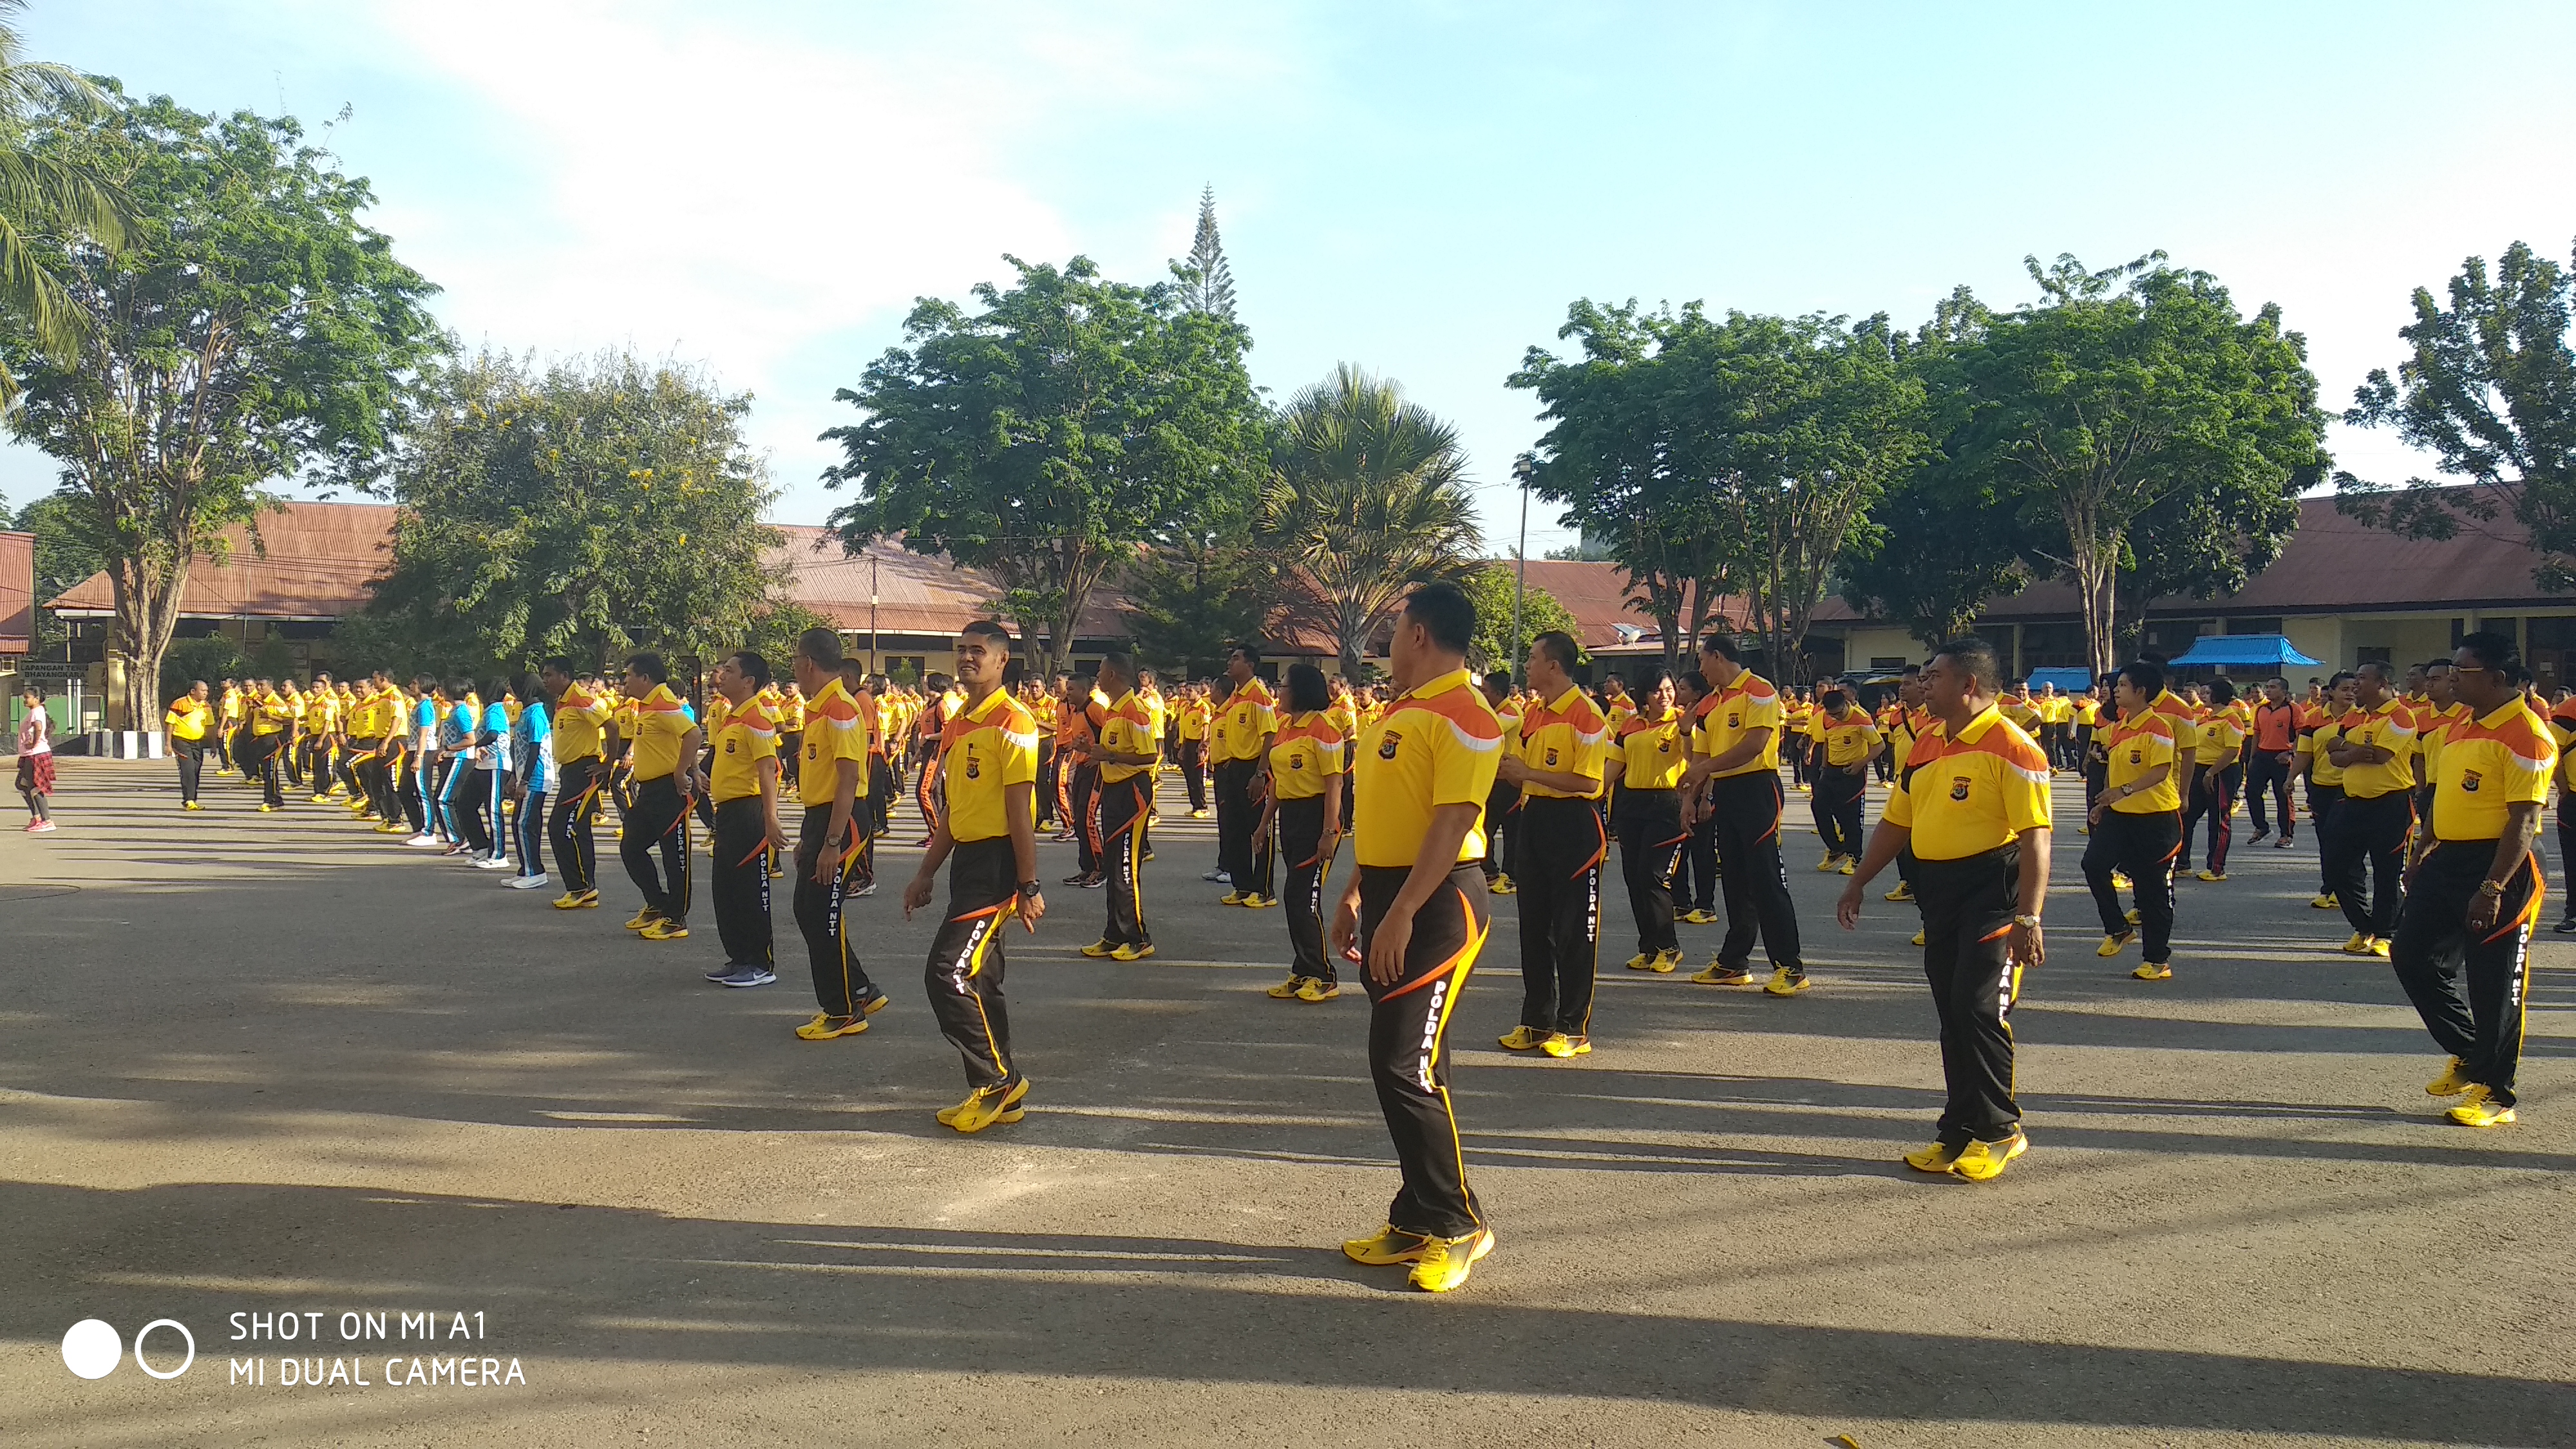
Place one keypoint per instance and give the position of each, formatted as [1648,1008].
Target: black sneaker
[2566,927]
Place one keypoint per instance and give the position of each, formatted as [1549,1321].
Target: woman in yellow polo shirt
[187,722]
[2137,822]
[1646,763]
[1309,758]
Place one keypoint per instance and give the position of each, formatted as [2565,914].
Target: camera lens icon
[92,1349]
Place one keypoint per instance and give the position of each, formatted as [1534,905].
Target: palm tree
[1369,498]
[41,194]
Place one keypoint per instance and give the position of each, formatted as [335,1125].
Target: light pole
[876,566]
[1522,467]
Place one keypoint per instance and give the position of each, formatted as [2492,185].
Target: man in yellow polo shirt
[988,752]
[666,743]
[1735,775]
[1646,761]
[2477,889]
[742,780]
[1415,913]
[1190,717]
[835,851]
[187,722]
[1972,805]
[2365,844]
[579,719]
[1556,762]
[2137,821]
[1846,741]
[1129,745]
[1248,721]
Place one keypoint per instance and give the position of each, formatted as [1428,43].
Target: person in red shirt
[2272,756]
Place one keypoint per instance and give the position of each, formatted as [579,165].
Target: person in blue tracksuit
[492,737]
[458,810]
[532,782]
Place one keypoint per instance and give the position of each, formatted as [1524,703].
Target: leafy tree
[2205,542]
[212,658]
[67,552]
[1615,456]
[43,194]
[1208,284]
[1583,550]
[773,632]
[2490,391]
[1934,553]
[1050,435]
[1192,602]
[252,327]
[586,510]
[2088,410]
[1368,498]
[1491,587]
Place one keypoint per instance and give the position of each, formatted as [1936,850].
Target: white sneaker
[529,882]
[866,890]
[424,840]
[493,862]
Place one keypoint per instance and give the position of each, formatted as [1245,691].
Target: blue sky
[763,187]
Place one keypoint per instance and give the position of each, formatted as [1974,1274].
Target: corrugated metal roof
[309,561]
[17,592]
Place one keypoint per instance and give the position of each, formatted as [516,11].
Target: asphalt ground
[279,1065]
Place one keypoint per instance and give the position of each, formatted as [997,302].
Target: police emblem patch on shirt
[1958,787]
[1735,721]
[2468,779]
[1551,756]
[2137,757]
[1296,762]
[729,744]
[1386,744]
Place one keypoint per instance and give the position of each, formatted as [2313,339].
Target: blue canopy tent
[2241,651]
[2067,680]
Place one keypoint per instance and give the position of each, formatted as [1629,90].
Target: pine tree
[1212,291]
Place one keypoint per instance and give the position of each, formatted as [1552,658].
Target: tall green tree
[253,327]
[2119,390]
[1617,457]
[45,194]
[1208,282]
[1933,554]
[1049,436]
[2489,388]
[1194,600]
[1491,586]
[1367,498]
[587,509]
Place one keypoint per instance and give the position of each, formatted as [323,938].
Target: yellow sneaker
[2113,945]
[986,1106]
[1100,950]
[1561,1046]
[1132,953]
[824,1027]
[321,800]
[1666,962]
[1785,982]
[2132,916]
[1903,892]
[1232,898]
[1985,1161]
[665,931]
[1826,865]
[1641,962]
[1198,815]
[2120,880]
[1445,1261]
[266,809]
[1391,1245]
[1935,1158]
[2450,1083]
[2153,971]
[1918,938]
[1717,975]
[1849,865]
[2359,945]
[1287,989]
[578,901]
[1316,993]
[1502,886]
[1259,902]
[2212,876]
[2481,1110]
[2326,902]
[2379,948]
[1523,1039]
[1699,917]
[641,919]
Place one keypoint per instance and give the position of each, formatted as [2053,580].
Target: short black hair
[1307,691]
[1500,681]
[2380,667]
[2338,677]
[1445,613]
[2222,691]
[985,628]
[819,647]
[2495,651]
[556,662]
[1723,646]
[1251,653]
[1123,663]
[650,665]
[1690,679]
[1973,654]
[2145,675]
[1649,679]
[2432,664]
[1558,645]
[753,667]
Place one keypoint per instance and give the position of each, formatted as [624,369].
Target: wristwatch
[1029,888]
[2490,888]
[2027,922]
